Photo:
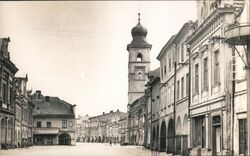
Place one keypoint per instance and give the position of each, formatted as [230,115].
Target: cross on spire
[139,18]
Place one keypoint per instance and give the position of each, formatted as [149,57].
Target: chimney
[47,98]
[103,113]
[74,108]
[111,111]
[117,110]
[38,94]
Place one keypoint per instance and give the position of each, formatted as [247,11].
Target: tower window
[139,57]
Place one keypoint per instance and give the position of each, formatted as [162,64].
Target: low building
[136,119]
[122,129]
[82,122]
[54,121]
[105,127]
[23,119]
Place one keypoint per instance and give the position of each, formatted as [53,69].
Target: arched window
[139,57]
[139,75]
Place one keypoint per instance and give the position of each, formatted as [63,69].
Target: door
[216,140]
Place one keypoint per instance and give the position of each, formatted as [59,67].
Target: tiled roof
[105,118]
[53,107]
[154,73]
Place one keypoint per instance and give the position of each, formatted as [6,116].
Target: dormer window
[139,58]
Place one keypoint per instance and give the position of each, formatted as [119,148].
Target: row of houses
[107,127]
[28,118]
[196,101]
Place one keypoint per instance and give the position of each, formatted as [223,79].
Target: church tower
[138,62]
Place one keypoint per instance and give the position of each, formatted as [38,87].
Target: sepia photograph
[125,78]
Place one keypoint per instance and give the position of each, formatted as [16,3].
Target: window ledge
[216,84]
[195,93]
[204,89]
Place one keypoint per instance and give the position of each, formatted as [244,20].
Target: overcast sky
[77,50]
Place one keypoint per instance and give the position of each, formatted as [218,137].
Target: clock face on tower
[139,73]
[70,123]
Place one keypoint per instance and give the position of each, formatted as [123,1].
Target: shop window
[199,132]
[243,136]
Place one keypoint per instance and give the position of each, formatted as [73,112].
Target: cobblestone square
[81,149]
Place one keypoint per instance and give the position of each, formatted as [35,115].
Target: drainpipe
[151,118]
[233,100]
[189,80]
[175,66]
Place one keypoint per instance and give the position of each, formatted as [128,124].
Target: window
[182,52]
[38,124]
[161,70]
[172,97]
[169,63]
[178,90]
[169,96]
[5,93]
[10,96]
[187,84]
[139,75]
[205,73]
[216,67]
[178,54]
[139,58]
[196,80]
[182,87]
[165,66]
[243,136]
[48,124]
[64,124]
[199,132]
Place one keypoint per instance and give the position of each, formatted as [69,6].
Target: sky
[77,50]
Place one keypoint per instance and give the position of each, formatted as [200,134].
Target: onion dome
[139,34]
[139,30]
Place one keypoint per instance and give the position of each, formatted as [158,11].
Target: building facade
[152,96]
[138,68]
[203,85]
[108,127]
[136,122]
[54,121]
[7,103]
[82,124]
[211,106]
[174,91]
[237,35]
[23,114]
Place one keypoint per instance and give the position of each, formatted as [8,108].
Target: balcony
[45,130]
[237,34]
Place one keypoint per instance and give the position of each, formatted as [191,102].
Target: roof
[104,118]
[174,39]
[138,102]
[154,73]
[53,107]
[167,45]
[139,34]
